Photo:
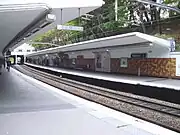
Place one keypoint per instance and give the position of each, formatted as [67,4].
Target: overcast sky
[57,3]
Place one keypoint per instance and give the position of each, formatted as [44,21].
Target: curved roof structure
[134,38]
[21,22]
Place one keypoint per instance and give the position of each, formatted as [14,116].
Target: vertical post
[79,14]
[61,16]
[116,10]
[15,61]
[139,71]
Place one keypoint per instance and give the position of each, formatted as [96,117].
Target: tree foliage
[132,16]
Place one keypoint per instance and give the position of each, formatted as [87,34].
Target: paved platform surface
[28,108]
[147,81]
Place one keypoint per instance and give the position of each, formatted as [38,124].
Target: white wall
[152,51]
[118,52]
[86,53]
[174,54]
[24,49]
[177,56]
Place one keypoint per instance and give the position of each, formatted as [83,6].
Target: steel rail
[114,95]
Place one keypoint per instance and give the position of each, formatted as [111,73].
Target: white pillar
[116,10]
[24,59]
[0,69]
[15,59]
[139,71]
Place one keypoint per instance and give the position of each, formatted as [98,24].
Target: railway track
[161,113]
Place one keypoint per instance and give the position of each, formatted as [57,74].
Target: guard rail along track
[160,113]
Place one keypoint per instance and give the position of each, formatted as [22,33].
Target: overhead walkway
[28,107]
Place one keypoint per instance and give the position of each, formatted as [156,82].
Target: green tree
[103,23]
[59,37]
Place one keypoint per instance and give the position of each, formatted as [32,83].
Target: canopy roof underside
[21,22]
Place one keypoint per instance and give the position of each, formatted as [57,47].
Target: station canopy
[123,40]
[20,22]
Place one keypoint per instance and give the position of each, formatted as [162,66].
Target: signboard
[75,28]
[123,62]
[139,55]
[172,45]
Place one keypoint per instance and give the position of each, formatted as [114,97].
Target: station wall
[118,52]
[157,67]
[158,63]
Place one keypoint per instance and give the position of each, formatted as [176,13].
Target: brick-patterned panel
[115,63]
[131,69]
[173,67]
[143,66]
[84,62]
[91,62]
[158,67]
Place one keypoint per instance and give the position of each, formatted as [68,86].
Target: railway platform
[28,106]
[141,80]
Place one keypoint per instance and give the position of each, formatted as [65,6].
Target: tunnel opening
[20,59]
[12,59]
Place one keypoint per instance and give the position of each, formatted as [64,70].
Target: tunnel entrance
[20,59]
[12,59]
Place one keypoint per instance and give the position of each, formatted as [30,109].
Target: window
[139,55]
[20,50]
[28,50]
